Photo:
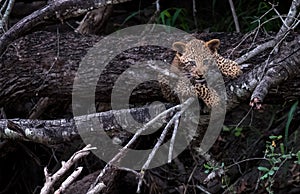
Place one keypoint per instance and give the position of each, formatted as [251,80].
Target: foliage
[132,15]
[278,157]
[237,131]
[217,16]
[175,17]
[261,15]
[290,117]
[212,167]
[251,14]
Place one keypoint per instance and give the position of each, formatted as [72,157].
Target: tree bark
[44,64]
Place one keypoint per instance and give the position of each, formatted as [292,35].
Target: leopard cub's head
[197,51]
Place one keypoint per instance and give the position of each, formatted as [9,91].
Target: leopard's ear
[213,45]
[179,47]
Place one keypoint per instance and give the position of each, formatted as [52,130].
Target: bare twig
[52,179]
[195,14]
[266,77]
[291,16]
[190,178]
[155,14]
[96,188]
[117,158]
[39,108]
[235,18]
[157,6]
[69,180]
[185,105]
[172,141]
[4,17]
[288,24]
[202,189]
[94,21]
[255,31]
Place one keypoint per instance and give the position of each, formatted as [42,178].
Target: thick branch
[285,66]
[278,71]
[94,21]
[59,9]
[47,64]
[62,130]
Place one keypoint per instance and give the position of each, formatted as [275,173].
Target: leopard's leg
[166,89]
[184,88]
[170,87]
[228,67]
[208,95]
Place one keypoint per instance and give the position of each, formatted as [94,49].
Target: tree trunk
[44,64]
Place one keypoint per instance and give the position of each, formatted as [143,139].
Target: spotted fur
[192,62]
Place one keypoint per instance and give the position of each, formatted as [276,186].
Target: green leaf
[263,169]
[175,16]
[287,156]
[290,118]
[275,168]
[225,128]
[167,13]
[130,16]
[271,172]
[163,15]
[207,166]
[237,133]
[168,22]
[282,148]
[272,137]
[275,160]
[297,162]
[264,176]
[222,165]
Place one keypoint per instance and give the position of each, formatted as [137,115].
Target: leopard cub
[190,60]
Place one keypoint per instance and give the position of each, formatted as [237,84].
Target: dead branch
[117,158]
[45,132]
[50,132]
[34,59]
[290,23]
[195,14]
[52,179]
[69,180]
[175,118]
[235,18]
[277,72]
[39,108]
[7,5]
[94,20]
[58,9]
[284,67]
